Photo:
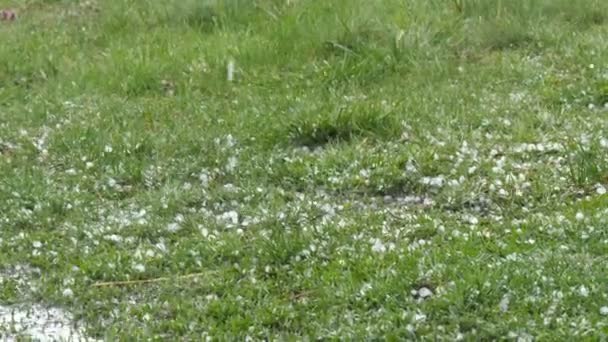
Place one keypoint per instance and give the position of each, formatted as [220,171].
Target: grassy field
[289,169]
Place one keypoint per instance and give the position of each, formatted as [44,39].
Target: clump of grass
[584,13]
[587,166]
[580,12]
[602,93]
[504,34]
[356,38]
[414,176]
[501,25]
[210,15]
[341,126]
[202,15]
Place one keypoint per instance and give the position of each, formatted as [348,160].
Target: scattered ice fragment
[328,209]
[230,141]
[113,237]
[378,246]
[471,219]
[517,97]
[231,188]
[364,173]
[604,311]
[161,247]
[39,323]
[583,291]
[366,287]
[579,216]
[231,164]
[139,268]
[600,189]
[410,167]
[173,227]
[503,193]
[108,149]
[424,292]
[504,304]
[419,317]
[230,71]
[68,293]
[433,181]
[231,217]
[37,244]
[204,178]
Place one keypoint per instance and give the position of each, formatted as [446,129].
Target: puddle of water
[38,323]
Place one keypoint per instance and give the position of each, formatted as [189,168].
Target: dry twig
[147,281]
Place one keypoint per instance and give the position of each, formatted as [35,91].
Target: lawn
[301,169]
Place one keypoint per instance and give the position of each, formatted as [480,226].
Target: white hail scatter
[231,164]
[433,181]
[378,246]
[39,323]
[538,147]
[471,219]
[140,268]
[583,291]
[173,227]
[504,304]
[230,217]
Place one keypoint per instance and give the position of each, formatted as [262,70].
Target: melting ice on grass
[39,324]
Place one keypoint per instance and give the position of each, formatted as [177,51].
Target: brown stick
[146,281]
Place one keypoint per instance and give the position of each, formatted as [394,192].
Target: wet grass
[389,169]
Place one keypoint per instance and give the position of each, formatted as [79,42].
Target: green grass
[365,150]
